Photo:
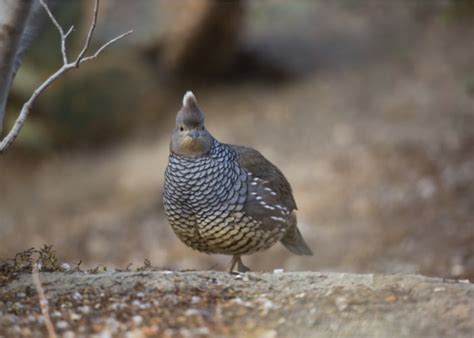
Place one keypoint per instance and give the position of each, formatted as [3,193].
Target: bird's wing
[270,198]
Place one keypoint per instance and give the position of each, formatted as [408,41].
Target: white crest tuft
[189,96]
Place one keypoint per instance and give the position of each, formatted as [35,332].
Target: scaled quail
[225,199]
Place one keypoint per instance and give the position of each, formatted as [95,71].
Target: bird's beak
[194,133]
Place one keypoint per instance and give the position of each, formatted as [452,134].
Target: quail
[225,199]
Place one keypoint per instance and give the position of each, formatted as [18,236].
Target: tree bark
[14,15]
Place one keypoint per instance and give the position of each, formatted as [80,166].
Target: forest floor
[219,304]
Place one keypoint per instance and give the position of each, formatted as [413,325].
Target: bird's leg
[233,262]
[237,260]
[240,265]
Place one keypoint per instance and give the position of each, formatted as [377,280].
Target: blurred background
[366,106]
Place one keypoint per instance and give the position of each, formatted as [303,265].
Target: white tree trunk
[14,15]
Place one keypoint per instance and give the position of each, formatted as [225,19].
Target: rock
[204,38]
[187,37]
[305,304]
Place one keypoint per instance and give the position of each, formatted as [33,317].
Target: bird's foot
[237,260]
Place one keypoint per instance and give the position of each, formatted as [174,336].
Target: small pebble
[18,306]
[192,312]
[115,306]
[75,316]
[26,332]
[268,334]
[341,303]
[137,320]
[105,334]
[112,324]
[134,334]
[68,334]
[267,305]
[77,296]
[390,298]
[65,267]
[84,309]
[12,319]
[56,314]
[62,325]
[202,330]
[185,333]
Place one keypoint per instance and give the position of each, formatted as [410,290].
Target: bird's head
[190,137]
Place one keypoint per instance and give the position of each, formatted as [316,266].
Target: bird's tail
[293,241]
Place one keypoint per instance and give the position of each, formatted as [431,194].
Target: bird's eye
[202,128]
[181,128]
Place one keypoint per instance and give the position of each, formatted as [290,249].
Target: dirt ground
[218,304]
[373,126]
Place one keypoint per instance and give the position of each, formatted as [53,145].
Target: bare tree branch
[89,35]
[62,35]
[96,54]
[69,31]
[43,301]
[81,58]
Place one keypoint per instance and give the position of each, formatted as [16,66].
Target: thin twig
[81,58]
[89,35]
[42,301]
[69,31]
[53,19]
[62,36]
[96,54]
